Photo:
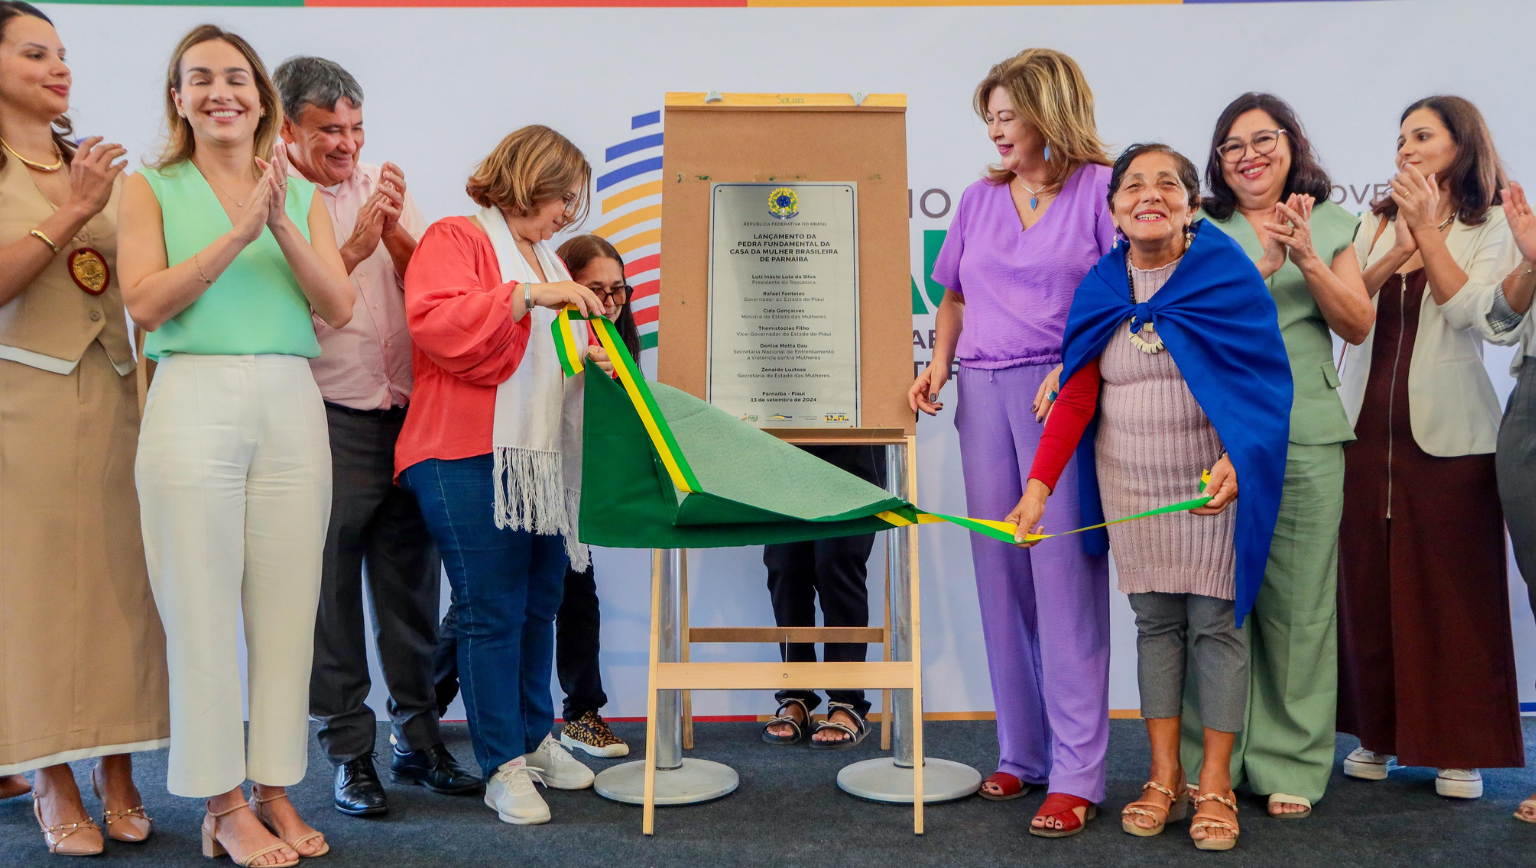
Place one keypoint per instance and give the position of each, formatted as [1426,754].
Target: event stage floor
[789,812]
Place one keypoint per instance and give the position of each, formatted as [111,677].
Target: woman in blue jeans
[491,449]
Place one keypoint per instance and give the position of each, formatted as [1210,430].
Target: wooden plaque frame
[793,137]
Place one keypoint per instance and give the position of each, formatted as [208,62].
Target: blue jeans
[507,585]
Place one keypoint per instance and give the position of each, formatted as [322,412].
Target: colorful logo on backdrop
[629,203]
[783,203]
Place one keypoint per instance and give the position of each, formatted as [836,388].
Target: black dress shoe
[433,768]
[359,793]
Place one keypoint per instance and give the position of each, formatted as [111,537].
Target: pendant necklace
[32,164]
[234,199]
[1034,192]
[1151,344]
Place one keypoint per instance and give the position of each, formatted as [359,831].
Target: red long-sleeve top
[466,343]
[1074,409]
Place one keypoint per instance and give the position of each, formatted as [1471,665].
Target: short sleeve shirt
[1018,284]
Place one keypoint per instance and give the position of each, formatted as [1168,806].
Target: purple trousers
[1045,610]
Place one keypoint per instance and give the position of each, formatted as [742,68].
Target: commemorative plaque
[784,303]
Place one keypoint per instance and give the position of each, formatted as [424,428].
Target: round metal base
[695,781]
[881,780]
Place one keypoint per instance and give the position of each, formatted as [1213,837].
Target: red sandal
[1012,787]
[1063,808]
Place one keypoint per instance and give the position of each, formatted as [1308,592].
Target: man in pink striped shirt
[364,375]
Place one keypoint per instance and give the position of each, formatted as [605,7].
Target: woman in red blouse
[491,448]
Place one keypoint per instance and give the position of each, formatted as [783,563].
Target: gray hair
[314,81]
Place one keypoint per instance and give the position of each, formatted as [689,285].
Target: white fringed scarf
[536,430]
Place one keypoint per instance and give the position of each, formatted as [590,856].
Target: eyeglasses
[1263,143]
[611,295]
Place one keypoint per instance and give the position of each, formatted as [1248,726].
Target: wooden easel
[792,138]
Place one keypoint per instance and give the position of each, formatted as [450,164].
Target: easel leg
[914,599]
[885,695]
[648,818]
[686,643]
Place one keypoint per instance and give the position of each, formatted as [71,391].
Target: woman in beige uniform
[82,654]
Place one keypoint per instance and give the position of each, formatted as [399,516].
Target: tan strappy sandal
[1528,803]
[1211,821]
[1177,809]
[212,849]
[131,826]
[62,840]
[261,814]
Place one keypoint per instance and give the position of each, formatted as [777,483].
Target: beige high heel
[131,826]
[256,803]
[212,849]
[69,839]
[14,785]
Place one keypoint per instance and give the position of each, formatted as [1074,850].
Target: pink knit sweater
[1153,442]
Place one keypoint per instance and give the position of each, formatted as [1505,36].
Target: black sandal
[856,731]
[780,717]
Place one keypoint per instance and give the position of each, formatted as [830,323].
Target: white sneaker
[1368,765]
[511,794]
[557,768]
[1459,783]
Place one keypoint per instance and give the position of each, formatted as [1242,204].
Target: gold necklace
[41,167]
[238,203]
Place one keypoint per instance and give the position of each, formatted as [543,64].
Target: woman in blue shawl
[1174,364]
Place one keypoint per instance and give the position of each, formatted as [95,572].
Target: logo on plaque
[783,203]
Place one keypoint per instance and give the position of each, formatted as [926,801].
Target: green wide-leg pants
[1287,745]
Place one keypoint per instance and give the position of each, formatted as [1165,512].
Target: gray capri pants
[1174,628]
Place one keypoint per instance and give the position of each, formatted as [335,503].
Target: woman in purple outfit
[1021,240]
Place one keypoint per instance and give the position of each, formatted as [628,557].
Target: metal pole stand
[679,780]
[891,779]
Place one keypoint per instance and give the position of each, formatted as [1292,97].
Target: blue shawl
[1216,317]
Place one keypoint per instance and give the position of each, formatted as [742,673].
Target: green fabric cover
[757,488]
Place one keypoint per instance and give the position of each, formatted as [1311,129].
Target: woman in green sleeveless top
[1269,192]
[223,258]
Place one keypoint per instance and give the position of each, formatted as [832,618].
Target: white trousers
[234,480]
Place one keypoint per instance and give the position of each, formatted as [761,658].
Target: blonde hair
[180,144]
[529,167]
[1048,92]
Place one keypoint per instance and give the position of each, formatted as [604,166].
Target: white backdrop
[443,85]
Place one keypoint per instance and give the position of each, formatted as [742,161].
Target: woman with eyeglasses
[491,448]
[1269,192]
[1426,659]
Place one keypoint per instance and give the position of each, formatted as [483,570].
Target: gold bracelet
[38,234]
[200,275]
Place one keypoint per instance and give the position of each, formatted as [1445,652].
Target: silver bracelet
[527,299]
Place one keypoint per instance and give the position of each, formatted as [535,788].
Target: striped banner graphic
[628,202]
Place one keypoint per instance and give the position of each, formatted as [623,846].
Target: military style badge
[89,270]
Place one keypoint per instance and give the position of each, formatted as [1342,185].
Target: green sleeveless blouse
[256,305]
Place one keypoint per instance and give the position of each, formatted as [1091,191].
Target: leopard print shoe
[590,733]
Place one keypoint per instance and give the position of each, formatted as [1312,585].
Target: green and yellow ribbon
[634,385]
[681,473]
